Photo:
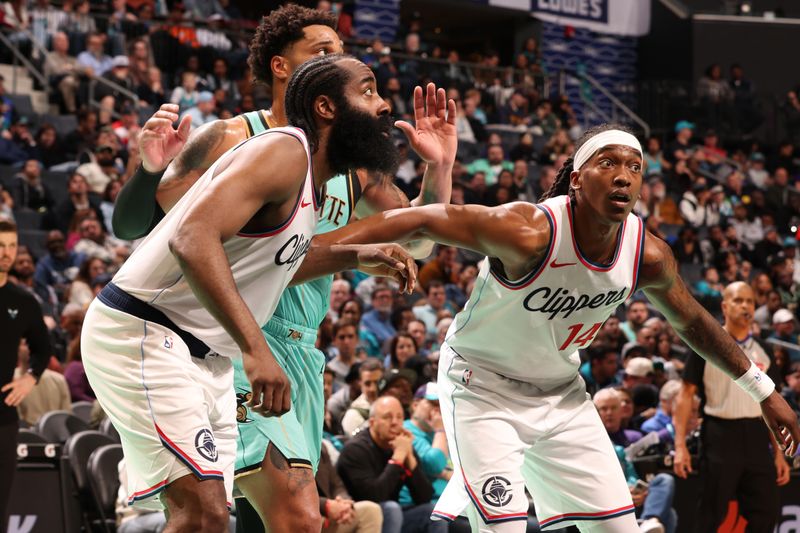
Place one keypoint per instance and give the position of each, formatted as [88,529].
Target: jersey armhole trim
[538,269]
[248,126]
[637,262]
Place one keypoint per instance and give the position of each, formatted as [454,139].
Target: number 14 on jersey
[580,340]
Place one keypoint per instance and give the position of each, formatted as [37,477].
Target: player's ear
[280,68]
[325,107]
[575,180]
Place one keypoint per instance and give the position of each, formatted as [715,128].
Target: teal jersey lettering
[307,304]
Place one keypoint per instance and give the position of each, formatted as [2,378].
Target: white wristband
[756,383]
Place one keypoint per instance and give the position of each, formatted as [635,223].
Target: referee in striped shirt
[736,460]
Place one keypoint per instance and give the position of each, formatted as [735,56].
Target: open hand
[18,389]
[433,137]
[159,141]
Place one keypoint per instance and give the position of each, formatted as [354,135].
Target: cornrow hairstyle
[561,184]
[317,76]
[278,30]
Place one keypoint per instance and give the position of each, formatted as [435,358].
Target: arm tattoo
[195,154]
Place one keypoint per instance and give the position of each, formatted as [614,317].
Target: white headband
[601,140]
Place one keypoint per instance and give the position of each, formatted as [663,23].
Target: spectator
[23,273]
[203,111]
[127,126]
[491,166]
[443,268]
[151,90]
[79,388]
[654,506]
[95,242]
[345,342]
[709,286]
[696,207]
[340,292]
[436,303]
[430,442]
[636,315]
[655,162]
[638,371]
[80,292]
[378,462]
[219,79]
[378,320]
[25,322]
[663,417]
[783,326]
[417,330]
[83,136]
[212,36]
[791,393]
[680,149]
[370,374]
[51,394]
[791,111]
[63,71]
[93,60]
[79,198]
[402,348]
[186,95]
[60,265]
[29,191]
[111,96]
[7,112]
[340,401]
[600,371]
[102,169]
[745,114]
[340,513]
[49,150]
[45,21]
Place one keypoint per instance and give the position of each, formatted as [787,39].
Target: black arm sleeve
[38,339]
[136,210]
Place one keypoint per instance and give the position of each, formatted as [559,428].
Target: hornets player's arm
[517,234]
[248,195]
[161,181]
[666,290]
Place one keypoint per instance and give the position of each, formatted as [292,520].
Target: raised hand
[159,141]
[433,136]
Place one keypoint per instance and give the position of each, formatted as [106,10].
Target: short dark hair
[370,365]
[317,76]
[278,30]
[434,284]
[7,226]
[344,323]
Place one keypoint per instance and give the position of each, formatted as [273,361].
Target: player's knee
[215,518]
[304,518]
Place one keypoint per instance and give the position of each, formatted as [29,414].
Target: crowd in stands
[728,207]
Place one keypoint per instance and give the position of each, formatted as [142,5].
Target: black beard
[360,140]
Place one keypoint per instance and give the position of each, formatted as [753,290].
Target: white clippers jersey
[531,329]
[262,264]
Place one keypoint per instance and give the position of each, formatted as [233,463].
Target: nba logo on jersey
[204,443]
[466,376]
[168,342]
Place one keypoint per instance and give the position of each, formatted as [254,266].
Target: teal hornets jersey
[307,304]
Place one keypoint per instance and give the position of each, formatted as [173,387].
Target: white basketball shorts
[175,414]
[505,435]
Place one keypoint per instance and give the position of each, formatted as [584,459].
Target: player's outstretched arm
[241,188]
[517,233]
[667,291]
[172,161]
[384,260]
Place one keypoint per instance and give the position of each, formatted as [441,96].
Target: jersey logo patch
[241,409]
[553,264]
[12,313]
[168,342]
[205,445]
[496,491]
[466,376]
[303,203]
[293,251]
